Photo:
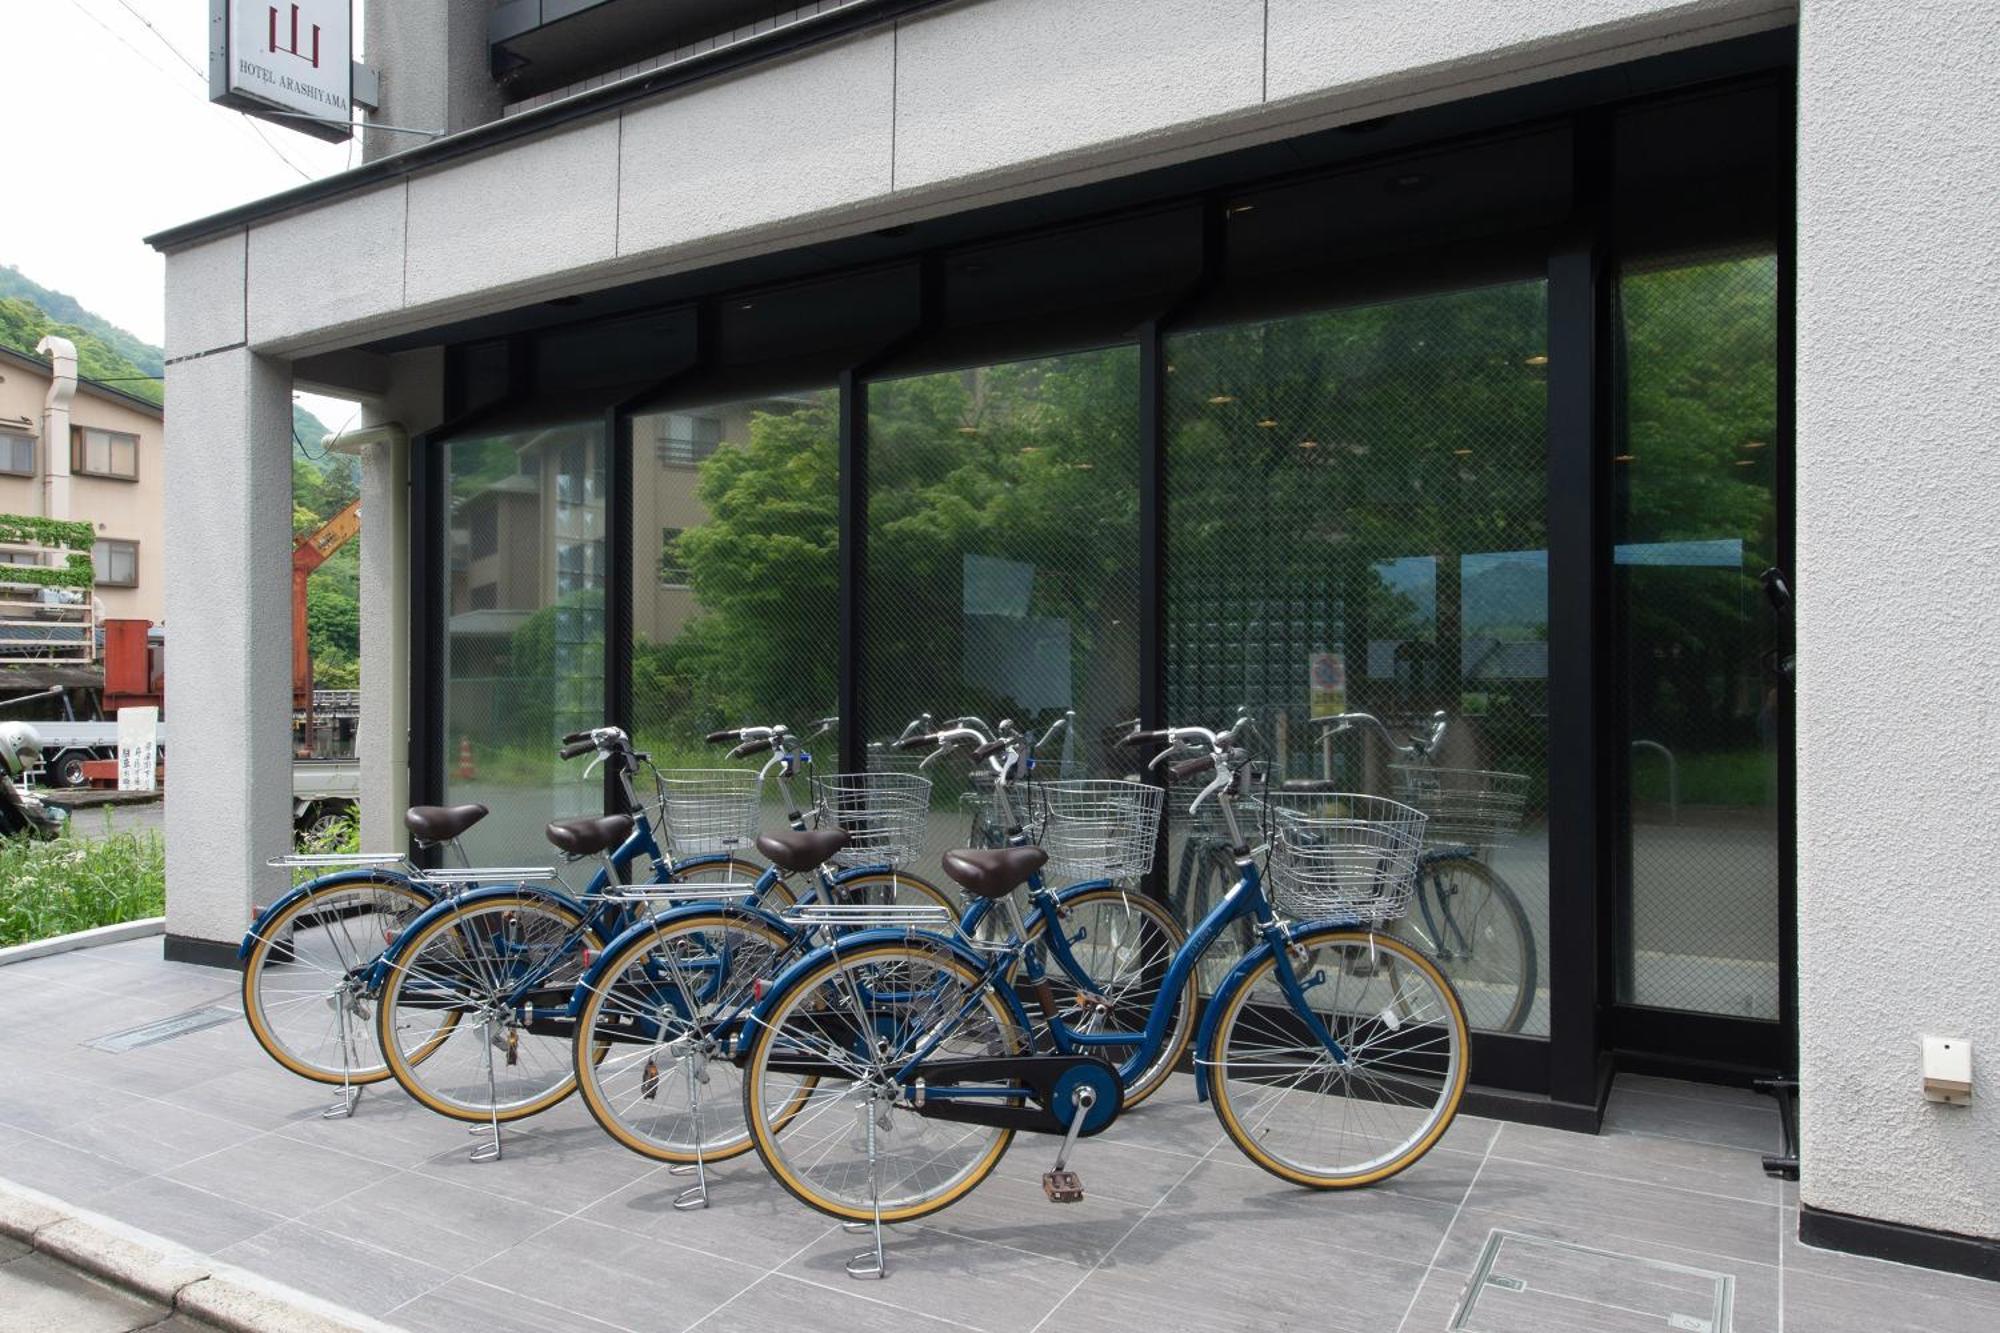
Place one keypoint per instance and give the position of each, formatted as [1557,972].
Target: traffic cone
[467,771]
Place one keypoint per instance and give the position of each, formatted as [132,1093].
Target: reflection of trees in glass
[525,646]
[1697,464]
[762,646]
[1327,476]
[1031,471]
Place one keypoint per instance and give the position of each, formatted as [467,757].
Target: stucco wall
[947,109]
[1898,624]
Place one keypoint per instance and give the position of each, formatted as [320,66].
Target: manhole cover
[1529,1284]
[166,1029]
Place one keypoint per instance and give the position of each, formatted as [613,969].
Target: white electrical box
[1948,1070]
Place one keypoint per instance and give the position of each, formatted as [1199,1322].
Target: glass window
[1695,524]
[117,563]
[17,455]
[1355,516]
[685,438]
[1003,554]
[104,453]
[673,570]
[735,570]
[524,639]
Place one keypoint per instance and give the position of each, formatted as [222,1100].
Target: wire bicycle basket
[1336,854]
[1468,807]
[706,811]
[884,813]
[1101,828]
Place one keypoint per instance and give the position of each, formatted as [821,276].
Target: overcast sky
[111,137]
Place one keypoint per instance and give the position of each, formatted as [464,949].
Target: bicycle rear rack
[335,860]
[486,874]
[857,916]
[675,894]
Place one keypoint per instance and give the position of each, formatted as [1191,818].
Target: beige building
[102,467]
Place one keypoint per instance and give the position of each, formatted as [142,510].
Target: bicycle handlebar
[572,750]
[748,748]
[726,734]
[1418,746]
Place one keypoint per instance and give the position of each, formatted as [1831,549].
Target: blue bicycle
[311,975]
[887,1072]
[669,998]
[474,1016]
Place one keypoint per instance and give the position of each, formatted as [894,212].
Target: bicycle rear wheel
[828,1121]
[506,967]
[1123,944]
[648,1051]
[1335,1123]
[305,991]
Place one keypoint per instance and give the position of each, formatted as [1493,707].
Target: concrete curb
[188,1282]
[84,939]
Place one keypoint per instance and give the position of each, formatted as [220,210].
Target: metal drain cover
[166,1029]
[1530,1284]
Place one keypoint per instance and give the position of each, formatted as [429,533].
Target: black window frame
[1563,1079]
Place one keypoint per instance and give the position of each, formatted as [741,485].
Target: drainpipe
[61,353]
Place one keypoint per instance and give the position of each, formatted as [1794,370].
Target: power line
[192,67]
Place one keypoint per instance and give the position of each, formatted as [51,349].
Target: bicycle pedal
[1062,1186]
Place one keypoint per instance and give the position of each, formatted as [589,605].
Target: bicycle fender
[888,934]
[370,875]
[1211,1013]
[1218,1003]
[391,955]
[595,972]
[1069,891]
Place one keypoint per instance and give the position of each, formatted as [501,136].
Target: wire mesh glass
[1101,828]
[885,815]
[1027,799]
[1356,520]
[1337,854]
[1467,807]
[709,810]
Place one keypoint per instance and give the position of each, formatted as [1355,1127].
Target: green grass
[1737,777]
[53,888]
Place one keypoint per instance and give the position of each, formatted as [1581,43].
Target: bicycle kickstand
[870,1264]
[489,1151]
[696,1195]
[345,1100]
[1059,1183]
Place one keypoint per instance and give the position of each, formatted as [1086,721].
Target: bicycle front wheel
[1336,1121]
[649,1049]
[305,984]
[505,967]
[827,1118]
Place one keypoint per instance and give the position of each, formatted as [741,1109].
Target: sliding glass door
[1355,514]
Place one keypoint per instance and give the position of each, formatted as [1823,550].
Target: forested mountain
[63,309]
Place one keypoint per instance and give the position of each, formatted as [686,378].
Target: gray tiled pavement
[203,1140]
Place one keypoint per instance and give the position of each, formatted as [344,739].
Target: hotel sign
[288,61]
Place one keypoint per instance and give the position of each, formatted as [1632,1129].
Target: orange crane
[308,554]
